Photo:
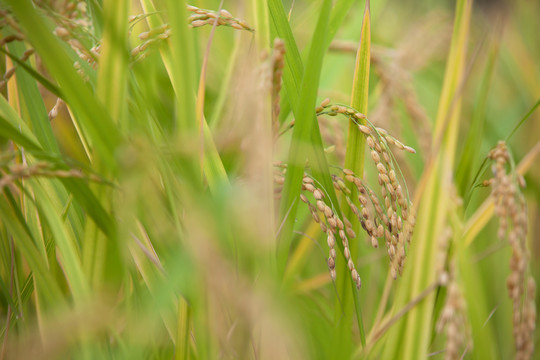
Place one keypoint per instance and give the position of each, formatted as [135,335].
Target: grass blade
[14,222]
[40,78]
[34,106]
[14,128]
[354,160]
[113,63]
[299,149]
[409,338]
[66,246]
[78,95]
[472,146]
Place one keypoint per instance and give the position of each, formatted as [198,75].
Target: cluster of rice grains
[149,38]
[203,17]
[332,224]
[198,18]
[12,173]
[453,318]
[510,208]
[74,26]
[277,64]
[392,218]
[388,215]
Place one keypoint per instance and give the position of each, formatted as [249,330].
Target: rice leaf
[15,224]
[409,338]
[40,78]
[354,160]
[14,128]
[300,144]
[113,62]
[471,151]
[70,257]
[104,135]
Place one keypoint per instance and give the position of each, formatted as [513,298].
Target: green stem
[354,160]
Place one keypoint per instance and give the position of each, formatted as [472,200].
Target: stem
[354,160]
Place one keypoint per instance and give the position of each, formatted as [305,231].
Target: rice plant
[268,179]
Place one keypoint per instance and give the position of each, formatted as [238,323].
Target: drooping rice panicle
[510,209]
[394,219]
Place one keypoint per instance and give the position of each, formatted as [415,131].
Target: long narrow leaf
[409,338]
[300,144]
[78,95]
[354,160]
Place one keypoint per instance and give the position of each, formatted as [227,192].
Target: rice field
[269,179]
